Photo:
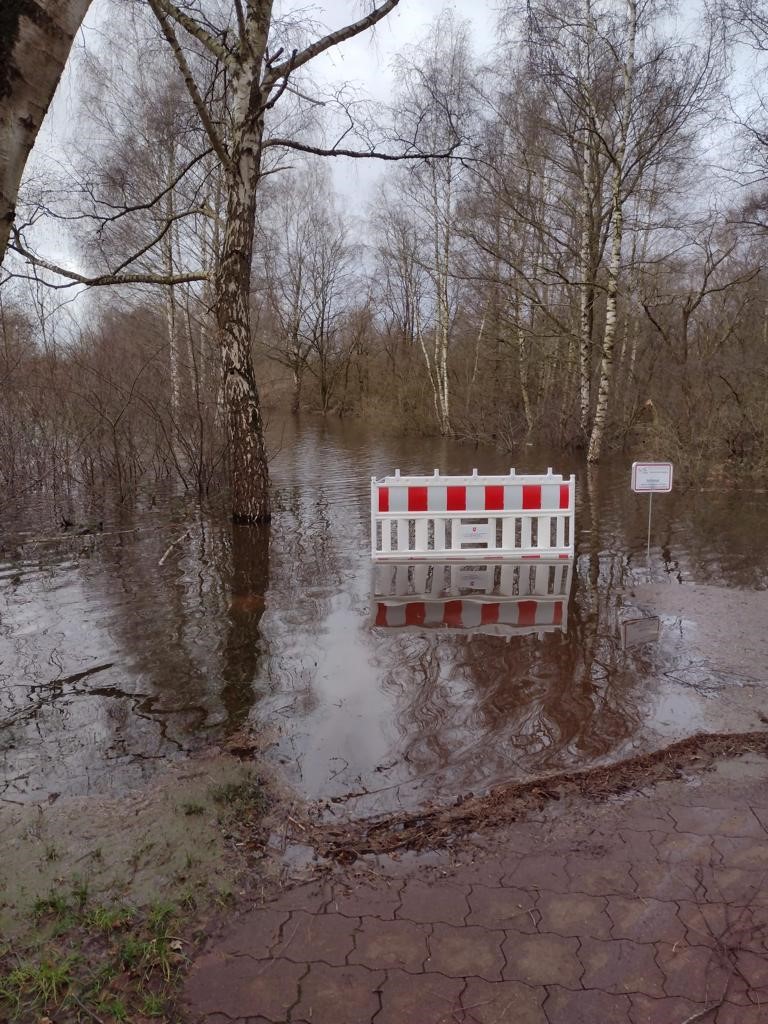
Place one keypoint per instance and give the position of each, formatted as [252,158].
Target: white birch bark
[37,37]
[586,268]
[614,266]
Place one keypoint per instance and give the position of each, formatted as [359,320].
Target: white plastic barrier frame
[472,517]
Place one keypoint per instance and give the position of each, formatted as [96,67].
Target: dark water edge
[111,663]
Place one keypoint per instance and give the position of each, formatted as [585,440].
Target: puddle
[383,687]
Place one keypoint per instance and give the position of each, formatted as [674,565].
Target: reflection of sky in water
[110,662]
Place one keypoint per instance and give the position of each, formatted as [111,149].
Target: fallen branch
[173,545]
[507,802]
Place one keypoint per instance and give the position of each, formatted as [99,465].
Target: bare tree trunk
[614,267]
[586,298]
[35,40]
[586,263]
[250,480]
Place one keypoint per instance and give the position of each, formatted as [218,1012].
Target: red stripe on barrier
[417,499]
[383,499]
[563,556]
[531,496]
[456,499]
[414,613]
[558,618]
[565,495]
[494,498]
[452,614]
[381,615]
[526,613]
[530,556]
[489,613]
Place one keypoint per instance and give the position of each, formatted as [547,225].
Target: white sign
[652,477]
[474,578]
[474,533]
[640,631]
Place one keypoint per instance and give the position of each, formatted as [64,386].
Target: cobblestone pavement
[649,910]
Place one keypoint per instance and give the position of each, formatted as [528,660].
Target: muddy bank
[174,839]
[441,826]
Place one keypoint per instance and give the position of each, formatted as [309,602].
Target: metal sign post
[651,478]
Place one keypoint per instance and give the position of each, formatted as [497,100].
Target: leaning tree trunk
[35,40]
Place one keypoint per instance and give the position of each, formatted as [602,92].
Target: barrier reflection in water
[511,598]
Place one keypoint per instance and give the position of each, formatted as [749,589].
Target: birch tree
[436,107]
[35,40]
[617,227]
[235,71]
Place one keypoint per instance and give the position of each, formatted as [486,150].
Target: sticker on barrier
[472,517]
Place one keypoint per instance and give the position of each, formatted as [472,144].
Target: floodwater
[117,654]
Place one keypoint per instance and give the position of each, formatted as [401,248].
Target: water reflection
[425,683]
[514,597]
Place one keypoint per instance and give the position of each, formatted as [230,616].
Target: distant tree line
[559,251]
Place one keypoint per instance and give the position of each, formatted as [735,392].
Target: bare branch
[102,279]
[356,154]
[194,28]
[332,39]
[210,128]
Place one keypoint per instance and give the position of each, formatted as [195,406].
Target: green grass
[90,948]
[243,797]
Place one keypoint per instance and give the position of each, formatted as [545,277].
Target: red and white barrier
[516,597]
[472,517]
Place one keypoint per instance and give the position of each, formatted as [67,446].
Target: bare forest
[558,240]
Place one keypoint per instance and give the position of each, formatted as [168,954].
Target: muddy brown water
[112,663]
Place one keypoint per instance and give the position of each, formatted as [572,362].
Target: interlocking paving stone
[566,1007]
[599,876]
[257,934]
[691,972]
[543,960]
[574,913]
[501,1002]
[644,814]
[687,848]
[313,897]
[621,966]
[646,1010]
[327,937]
[502,908]
[415,999]
[463,952]
[645,920]
[391,944]
[545,871]
[666,881]
[339,995]
[729,1014]
[355,901]
[706,821]
[242,987]
[742,853]
[709,924]
[737,886]
[633,920]
[420,901]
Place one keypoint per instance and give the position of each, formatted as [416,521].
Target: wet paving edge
[438,826]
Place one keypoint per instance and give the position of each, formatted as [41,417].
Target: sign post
[651,478]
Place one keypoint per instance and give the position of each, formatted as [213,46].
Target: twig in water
[173,545]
